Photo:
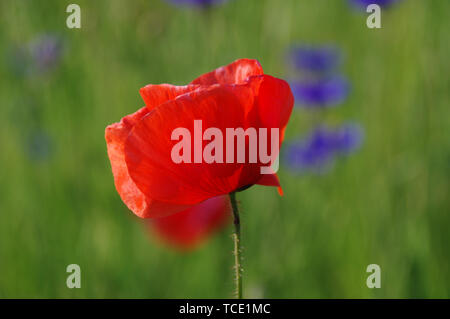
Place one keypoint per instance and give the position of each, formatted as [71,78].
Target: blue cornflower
[348,138]
[320,92]
[315,59]
[318,150]
[38,56]
[364,3]
[200,3]
[39,146]
[45,52]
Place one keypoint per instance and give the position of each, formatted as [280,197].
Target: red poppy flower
[238,95]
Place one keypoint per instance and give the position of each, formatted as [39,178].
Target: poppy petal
[275,103]
[271,180]
[234,73]
[155,95]
[135,200]
[188,228]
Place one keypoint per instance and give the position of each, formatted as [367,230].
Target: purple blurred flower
[318,150]
[348,138]
[38,56]
[39,146]
[364,3]
[322,92]
[45,51]
[199,3]
[315,59]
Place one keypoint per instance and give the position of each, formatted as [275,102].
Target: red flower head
[140,146]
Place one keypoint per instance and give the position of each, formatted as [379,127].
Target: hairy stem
[237,246]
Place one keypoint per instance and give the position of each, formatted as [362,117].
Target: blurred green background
[387,204]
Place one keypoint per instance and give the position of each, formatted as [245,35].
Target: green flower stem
[237,246]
